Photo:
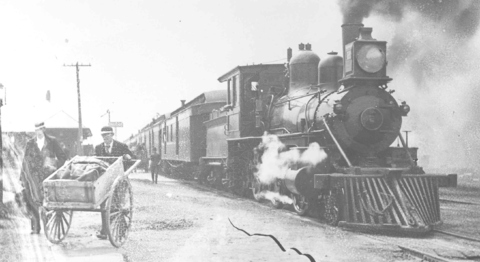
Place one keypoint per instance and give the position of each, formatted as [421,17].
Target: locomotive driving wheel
[119,211]
[275,187]
[56,224]
[300,204]
[257,188]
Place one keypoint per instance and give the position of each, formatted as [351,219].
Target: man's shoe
[100,235]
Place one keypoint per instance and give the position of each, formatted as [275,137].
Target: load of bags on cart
[82,169]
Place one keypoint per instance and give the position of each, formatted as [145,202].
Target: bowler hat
[106,130]
[39,125]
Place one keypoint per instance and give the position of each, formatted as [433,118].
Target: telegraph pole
[1,157]
[80,129]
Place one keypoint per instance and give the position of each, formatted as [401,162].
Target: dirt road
[182,221]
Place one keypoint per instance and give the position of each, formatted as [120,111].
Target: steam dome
[304,67]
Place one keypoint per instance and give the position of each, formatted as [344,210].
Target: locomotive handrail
[413,163]
[298,97]
[336,143]
[280,129]
[316,109]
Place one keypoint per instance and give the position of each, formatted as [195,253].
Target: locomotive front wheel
[300,204]
[119,211]
[331,210]
[56,224]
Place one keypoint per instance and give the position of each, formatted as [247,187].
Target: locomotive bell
[303,68]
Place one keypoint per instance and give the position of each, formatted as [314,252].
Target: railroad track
[440,246]
[459,202]
[457,235]
[436,249]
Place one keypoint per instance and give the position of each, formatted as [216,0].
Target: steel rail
[424,256]
[459,202]
[457,235]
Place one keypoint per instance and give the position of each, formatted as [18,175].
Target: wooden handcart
[111,194]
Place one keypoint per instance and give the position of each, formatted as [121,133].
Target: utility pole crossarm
[80,129]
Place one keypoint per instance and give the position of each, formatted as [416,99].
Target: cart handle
[137,162]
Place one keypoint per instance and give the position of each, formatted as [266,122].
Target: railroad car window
[166,134]
[165,140]
[153,140]
[229,101]
[234,90]
[149,149]
[176,136]
[160,140]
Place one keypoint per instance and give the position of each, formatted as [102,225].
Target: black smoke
[461,18]
[435,65]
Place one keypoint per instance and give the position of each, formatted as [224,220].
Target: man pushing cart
[92,184]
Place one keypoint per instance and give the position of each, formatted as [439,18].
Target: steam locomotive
[342,104]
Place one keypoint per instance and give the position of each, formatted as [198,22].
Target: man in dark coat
[110,148]
[43,156]
[154,165]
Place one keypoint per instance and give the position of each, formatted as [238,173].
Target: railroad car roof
[204,98]
[227,75]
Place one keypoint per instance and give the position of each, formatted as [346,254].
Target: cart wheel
[56,224]
[119,210]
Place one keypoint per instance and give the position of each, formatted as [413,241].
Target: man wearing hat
[110,148]
[43,156]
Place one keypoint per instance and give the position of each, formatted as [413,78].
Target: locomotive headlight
[371,58]
[404,109]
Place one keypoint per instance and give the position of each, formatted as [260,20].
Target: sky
[145,56]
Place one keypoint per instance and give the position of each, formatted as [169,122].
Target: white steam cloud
[276,160]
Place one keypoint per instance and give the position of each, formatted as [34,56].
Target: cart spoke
[50,220]
[61,217]
[66,221]
[57,228]
[51,232]
[115,213]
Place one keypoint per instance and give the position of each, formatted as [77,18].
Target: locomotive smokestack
[349,34]
[289,54]
[183,102]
